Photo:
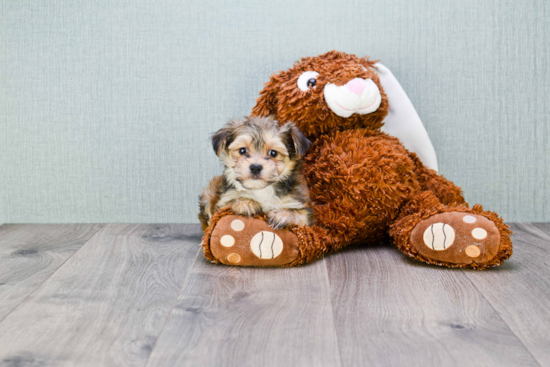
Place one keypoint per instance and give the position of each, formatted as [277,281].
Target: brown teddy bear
[365,185]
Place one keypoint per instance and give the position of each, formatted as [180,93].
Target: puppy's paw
[246,207]
[286,218]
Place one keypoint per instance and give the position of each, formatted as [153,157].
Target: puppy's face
[257,152]
[257,159]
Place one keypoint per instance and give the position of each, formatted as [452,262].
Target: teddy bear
[365,186]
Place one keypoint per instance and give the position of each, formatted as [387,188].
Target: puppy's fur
[263,163]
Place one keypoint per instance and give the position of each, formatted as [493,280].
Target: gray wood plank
[230,316]
[30,253]
[107,304]
[520,289]
[390,310]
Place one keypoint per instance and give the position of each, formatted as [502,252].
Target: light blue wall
[106,106]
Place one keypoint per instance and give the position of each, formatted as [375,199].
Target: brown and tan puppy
[262,174]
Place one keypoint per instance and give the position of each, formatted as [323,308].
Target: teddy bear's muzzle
[360,96]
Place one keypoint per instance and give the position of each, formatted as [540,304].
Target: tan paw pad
[472,251]
[233,258]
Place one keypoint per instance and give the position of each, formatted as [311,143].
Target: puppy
[262,174]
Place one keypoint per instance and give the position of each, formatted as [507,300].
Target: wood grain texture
[29,254]
[144,295]
[520,289]
[108,303]
[228,316]
[392,311]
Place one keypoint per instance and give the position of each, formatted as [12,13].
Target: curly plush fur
[365,186]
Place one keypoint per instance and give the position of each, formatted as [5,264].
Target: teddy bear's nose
[357,85]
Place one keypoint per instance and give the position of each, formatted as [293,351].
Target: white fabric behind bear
[403,122]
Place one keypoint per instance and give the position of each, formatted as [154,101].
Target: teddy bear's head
[333,91]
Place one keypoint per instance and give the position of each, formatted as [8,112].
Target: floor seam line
[55,271]
[539,232]
[500,317]
[172,308]
[332,312]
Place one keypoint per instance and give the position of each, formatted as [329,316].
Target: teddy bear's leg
[250,241]
[446,191]
[454,235]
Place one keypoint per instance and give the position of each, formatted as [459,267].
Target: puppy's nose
[357,85]
[256,168]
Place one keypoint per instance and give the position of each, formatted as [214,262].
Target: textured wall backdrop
[106,106]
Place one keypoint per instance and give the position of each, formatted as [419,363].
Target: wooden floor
[143,295]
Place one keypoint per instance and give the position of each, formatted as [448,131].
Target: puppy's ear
[218,140]
[296,142]
[223,137]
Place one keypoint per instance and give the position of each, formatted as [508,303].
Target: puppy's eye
[242,151]
[273,153]
[307,80]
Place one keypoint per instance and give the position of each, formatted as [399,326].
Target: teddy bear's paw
[456,238]
[248,241]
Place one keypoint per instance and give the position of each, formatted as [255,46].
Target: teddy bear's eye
[307,80]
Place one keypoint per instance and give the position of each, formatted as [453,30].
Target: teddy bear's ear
[402,120]
[266,104]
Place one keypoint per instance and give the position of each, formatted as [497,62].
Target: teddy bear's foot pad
[248,241]
[457,238]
